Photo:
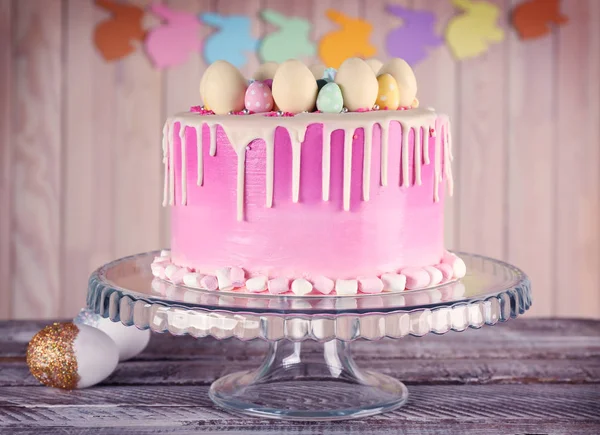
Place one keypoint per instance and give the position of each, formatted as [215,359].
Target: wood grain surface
[80,160]
[526,376]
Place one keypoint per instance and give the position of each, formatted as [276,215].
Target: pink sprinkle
[241,112]
[201,110]
[285,114]
[432,132]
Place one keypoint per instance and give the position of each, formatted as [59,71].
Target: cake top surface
[291,88]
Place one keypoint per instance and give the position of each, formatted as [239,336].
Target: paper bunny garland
[416,33]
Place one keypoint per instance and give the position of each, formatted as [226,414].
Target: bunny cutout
[470,34]
[417,32]
[172,43]
[113,36]
[233,40]
[290,41]
[352,40]
[532,19]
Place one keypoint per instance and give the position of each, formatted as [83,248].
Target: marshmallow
[447,271]
[165,253]
[370,285]
[177,277]
[257,284]
[158,260]
[393,282]
[278,285]
[416,277]
[192,279]
[435,275]
[237,276]
[458,265]
[301,287]
[346,286]
[170,271]
[209,282]
[323,284]
[158,270]
[224,278]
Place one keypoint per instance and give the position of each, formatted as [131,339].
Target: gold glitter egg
[69,356]
[388,96]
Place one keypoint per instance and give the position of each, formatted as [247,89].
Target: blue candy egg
[330,99]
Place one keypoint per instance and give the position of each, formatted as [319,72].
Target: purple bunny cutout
[412,39]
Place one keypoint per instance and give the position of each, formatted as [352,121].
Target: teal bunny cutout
[232,42]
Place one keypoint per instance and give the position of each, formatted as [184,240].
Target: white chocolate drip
[183,166]
[270,149]
[368,148]
[326,162]
[242,130]
[347,168]
[199,152]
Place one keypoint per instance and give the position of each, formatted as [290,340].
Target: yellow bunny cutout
[471,33]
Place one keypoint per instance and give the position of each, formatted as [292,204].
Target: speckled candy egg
[388,97]
[259,98]
[223,88]
[330,99]
[266,71]
[375,64]
[294,87]
[358,83]
[405,78]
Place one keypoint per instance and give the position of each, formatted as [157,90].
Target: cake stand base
[295,385]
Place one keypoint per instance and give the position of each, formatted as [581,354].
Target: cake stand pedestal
[292,383]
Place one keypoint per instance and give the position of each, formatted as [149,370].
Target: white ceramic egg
[294,87]
[375,65]
[130,341]
[358,83]
[69,356]
[266,71]
[405,78]
[223,87]
[318,70]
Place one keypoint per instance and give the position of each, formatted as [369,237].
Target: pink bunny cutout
[171,43]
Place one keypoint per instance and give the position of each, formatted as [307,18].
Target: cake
[303,185]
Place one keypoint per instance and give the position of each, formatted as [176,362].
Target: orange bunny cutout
[352,40]
[113,36]
[533,18]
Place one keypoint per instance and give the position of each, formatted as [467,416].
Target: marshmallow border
[162,267]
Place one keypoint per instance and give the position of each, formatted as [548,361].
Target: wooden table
[521,377]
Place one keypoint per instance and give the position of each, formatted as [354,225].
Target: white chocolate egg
[259,98]
[318,70]
[266,71]
[405,78]
[388,97]
[358,84]
[375,65]
[223,88]
[130,341]
[294,87]
[69,356]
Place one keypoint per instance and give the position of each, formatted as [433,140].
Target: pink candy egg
[259,98]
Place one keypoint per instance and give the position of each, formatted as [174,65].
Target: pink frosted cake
[305,201]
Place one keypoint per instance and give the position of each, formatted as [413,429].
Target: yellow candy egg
[294,87]
[266,71]
[405,78]
[388,97]
[375,65]
[223,88]
[358,83]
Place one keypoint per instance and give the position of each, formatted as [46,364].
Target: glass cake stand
[292,383]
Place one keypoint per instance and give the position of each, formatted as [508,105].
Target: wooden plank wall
[80,160]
